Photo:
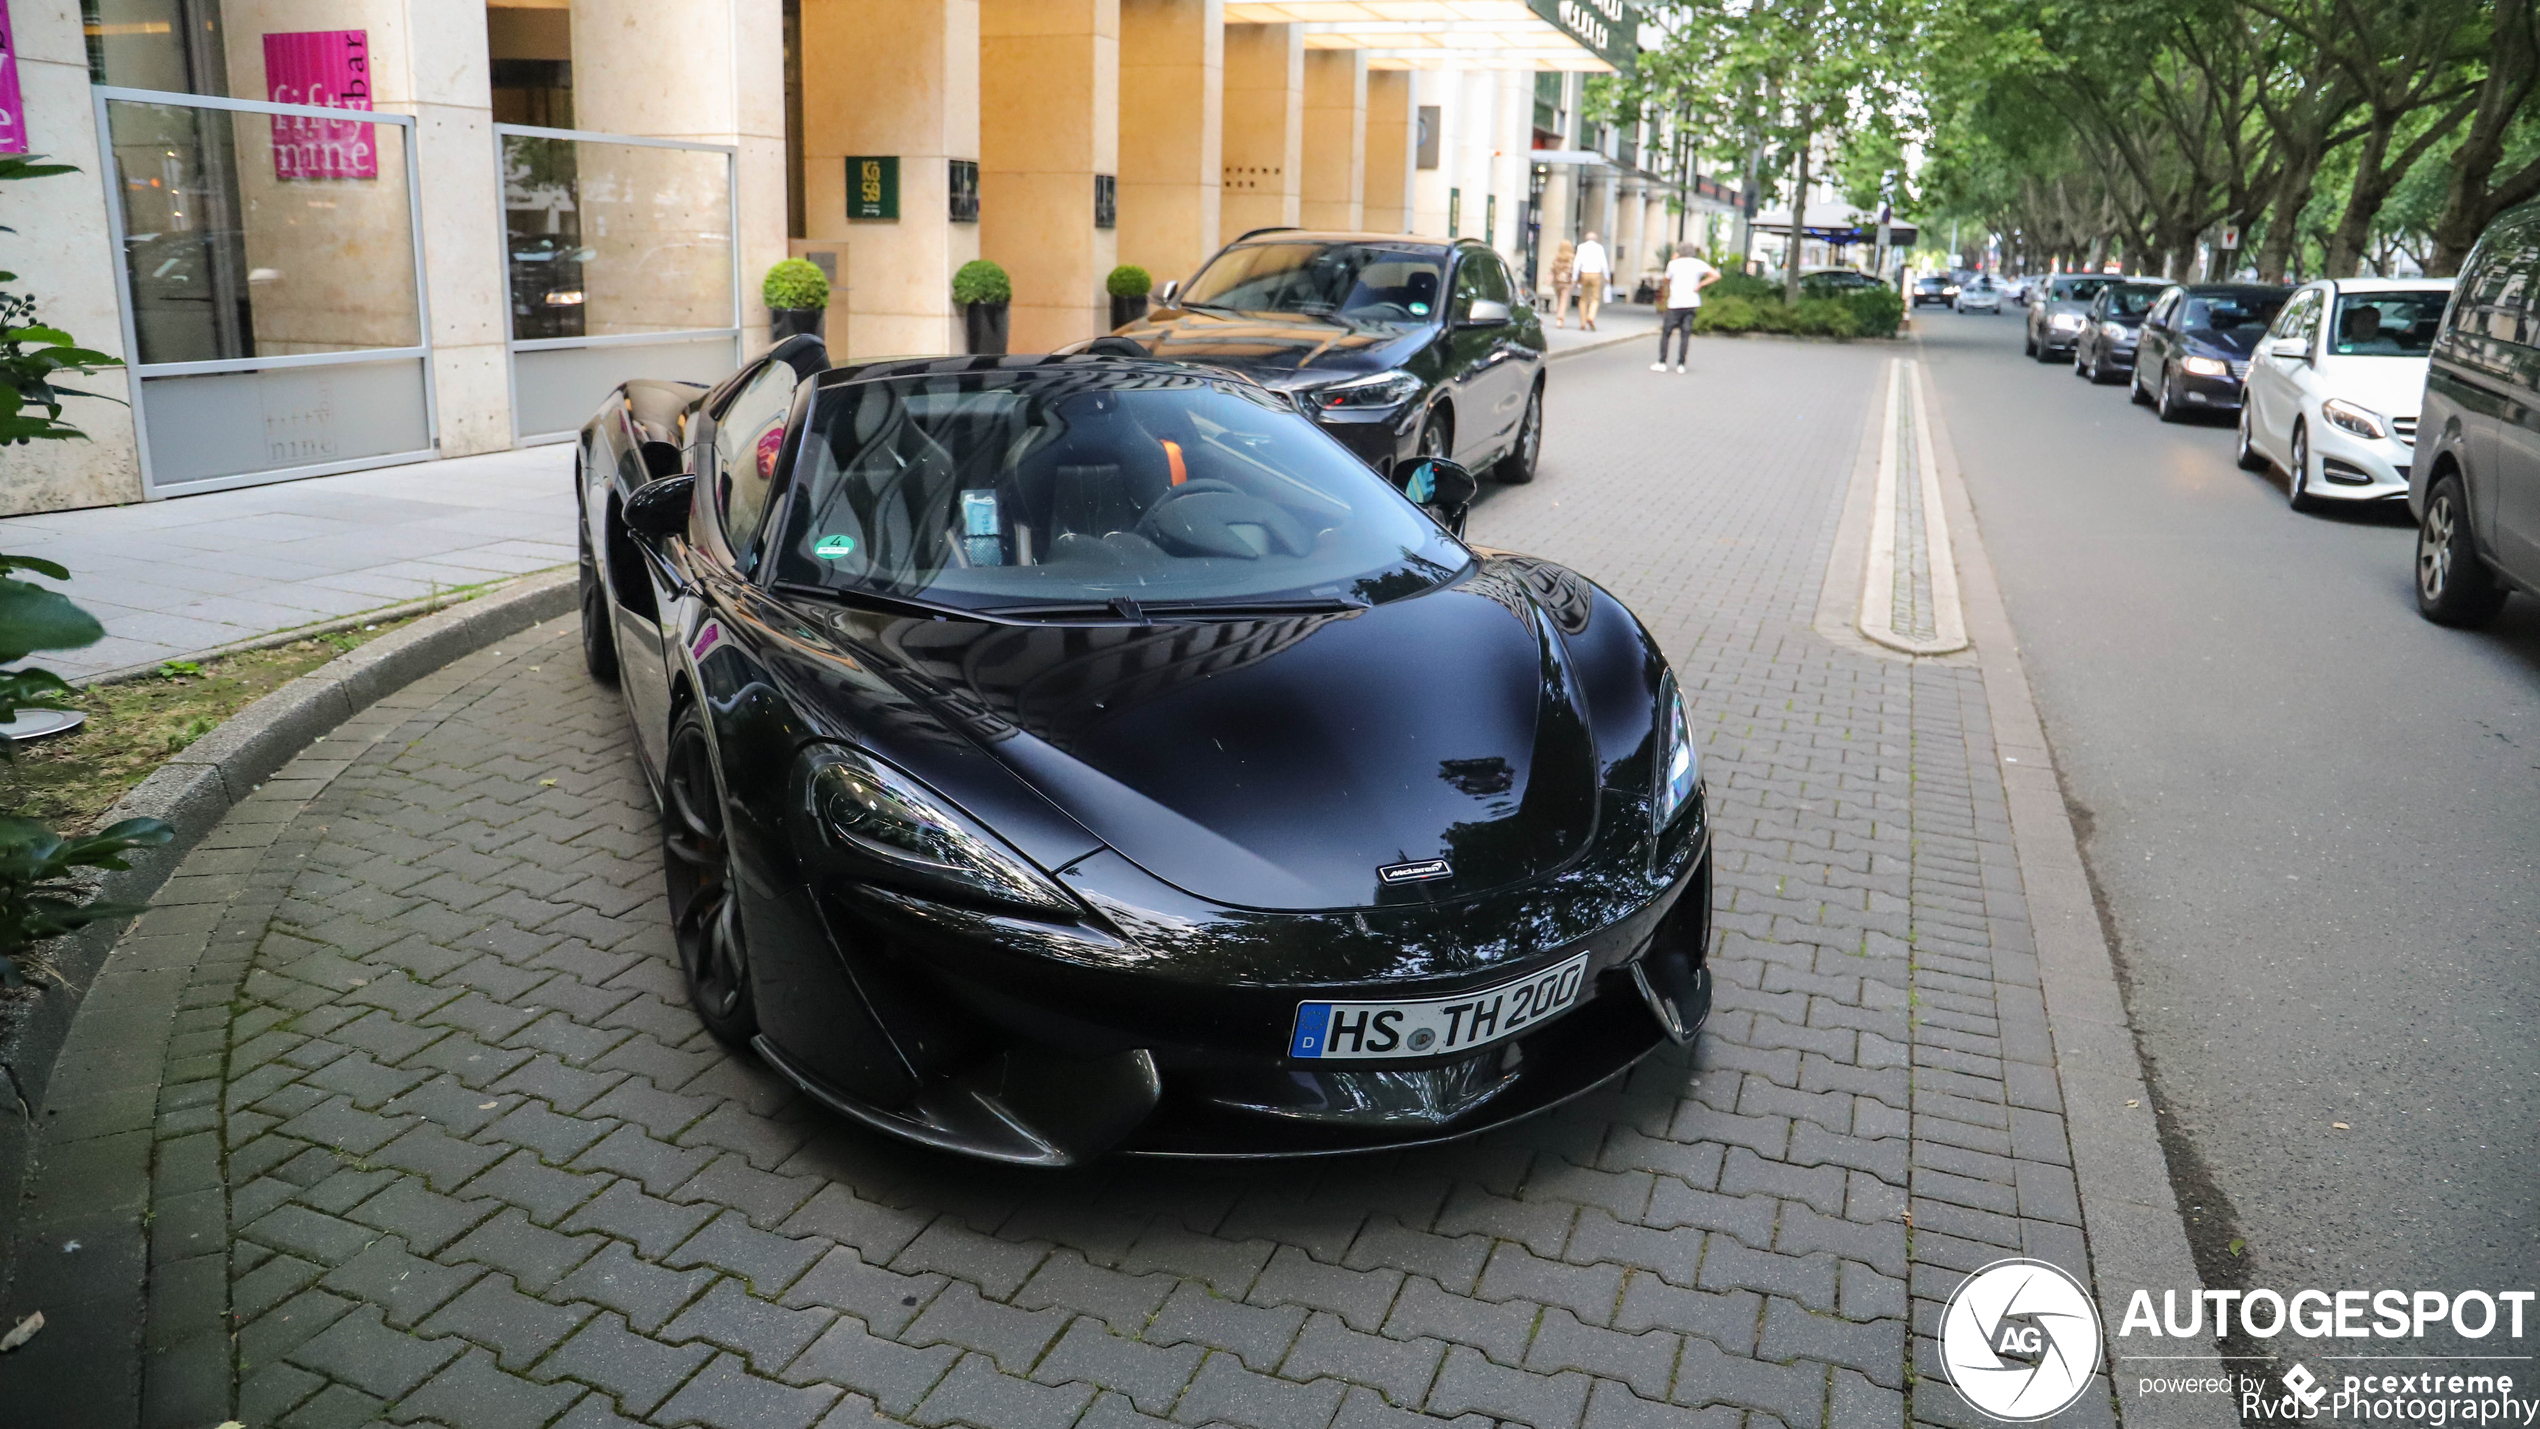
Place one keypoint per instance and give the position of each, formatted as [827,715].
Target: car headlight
[864,807]
[2065,322]
[2207,366]
[1679,764]
[2112,331]
[2362,421]
[1385,389]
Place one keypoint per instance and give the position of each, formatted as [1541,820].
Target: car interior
[2387,324]
[1208,490]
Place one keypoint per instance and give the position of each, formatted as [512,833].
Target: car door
[2275,382]
[2514,471]
[2160,335]
[1474,371]
[2493,326]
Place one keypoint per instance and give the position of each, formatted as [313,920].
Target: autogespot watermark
[2021,1339]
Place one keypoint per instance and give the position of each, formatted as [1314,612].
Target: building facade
[543,197]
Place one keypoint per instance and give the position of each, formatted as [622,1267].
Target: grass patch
[134,727]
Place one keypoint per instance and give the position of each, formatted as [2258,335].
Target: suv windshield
[2387,324]
[1089,483]
[2079,290]
[1372,282]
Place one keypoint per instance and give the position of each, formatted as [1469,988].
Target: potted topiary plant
[984,291]
[797,294]
[1128,286]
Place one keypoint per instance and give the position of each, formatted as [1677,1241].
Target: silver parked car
[2475,484]
[2058,313]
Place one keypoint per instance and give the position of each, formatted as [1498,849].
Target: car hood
[2392,386]
[1274,343]
[1279,763]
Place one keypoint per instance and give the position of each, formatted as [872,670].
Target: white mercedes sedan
[2335,386]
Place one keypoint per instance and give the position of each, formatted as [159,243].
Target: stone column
[67,264]
[451,97]
[1386,196]
[1172,133]
[1333,189]
[1631,255]
[899,78]
[703,70]
[1049,123]
[1265,126]
[1432,90]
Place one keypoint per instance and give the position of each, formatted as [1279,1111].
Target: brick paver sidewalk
[434,1138]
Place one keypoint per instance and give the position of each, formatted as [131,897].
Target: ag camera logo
[2020,1339]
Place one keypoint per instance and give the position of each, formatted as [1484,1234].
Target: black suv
[1397,346]
[2475,483]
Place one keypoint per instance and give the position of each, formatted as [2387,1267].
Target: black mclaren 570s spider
[1063,756]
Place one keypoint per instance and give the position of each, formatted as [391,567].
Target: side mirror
[661,459]
[659,510]
[1442,488]
[2291,349]
[1165,295]
[1485,312]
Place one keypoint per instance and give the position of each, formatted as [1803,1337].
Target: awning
[1595,36]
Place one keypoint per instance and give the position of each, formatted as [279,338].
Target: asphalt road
[2311,816]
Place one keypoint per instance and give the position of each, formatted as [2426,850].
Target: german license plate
[1328,1031]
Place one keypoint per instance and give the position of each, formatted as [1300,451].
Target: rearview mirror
[1164,296]
[2291,349]
[1442,488]
[659,510]
[1485,312]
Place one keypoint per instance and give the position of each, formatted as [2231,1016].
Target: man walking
[1593,270]
[1680,297]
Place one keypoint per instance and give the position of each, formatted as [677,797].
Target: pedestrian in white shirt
[1593,270]
[1679,298]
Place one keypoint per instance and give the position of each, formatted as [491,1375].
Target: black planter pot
[984,325]
[1125,311]
[783,323]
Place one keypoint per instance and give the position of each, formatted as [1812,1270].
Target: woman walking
[1565,281]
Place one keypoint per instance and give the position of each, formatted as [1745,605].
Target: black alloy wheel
[599,641]
[2244,452]
[1437,436]
[2297,484]
[2454,587]
[2170,408]
[1518,467]
[2134,387]
[705,914]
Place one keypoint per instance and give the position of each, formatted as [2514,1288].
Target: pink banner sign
[12,101]
[331,69]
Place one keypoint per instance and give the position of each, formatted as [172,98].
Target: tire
[2134,387]
[2297,484]
[1518,467]
[2168,406]
[705,914]
[2453,586]
[1437,437]
[2244,452]
[2078,369]
[2028,342]
[599,640]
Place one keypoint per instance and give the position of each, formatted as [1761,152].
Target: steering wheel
[1197,517]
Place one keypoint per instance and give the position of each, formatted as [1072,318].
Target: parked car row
[2361,390]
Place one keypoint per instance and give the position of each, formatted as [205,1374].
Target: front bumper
[1379,437]
[2354,468]
[1161,1025]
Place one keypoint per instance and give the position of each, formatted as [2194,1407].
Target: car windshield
[1371,282]
[2387,324]
[2240,313]
[2078,290]
[1087,483]
[2132,300]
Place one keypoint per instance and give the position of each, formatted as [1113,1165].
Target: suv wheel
[1518,467]
[2453,586]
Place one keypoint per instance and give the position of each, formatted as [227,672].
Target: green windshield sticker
[831,548]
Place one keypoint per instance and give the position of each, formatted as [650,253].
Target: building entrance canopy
[1595,36]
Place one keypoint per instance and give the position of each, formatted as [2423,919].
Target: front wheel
[599,641]
[705,914]
[2170,408]
[2134,388]
[2243,450]
[2453,586]
[2297,484]
[2028,343]
[1518,467]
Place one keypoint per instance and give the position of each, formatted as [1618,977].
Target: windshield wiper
[1138,612]
[876,600]
[1207,307]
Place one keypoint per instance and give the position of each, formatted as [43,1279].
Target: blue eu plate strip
[1311,1018]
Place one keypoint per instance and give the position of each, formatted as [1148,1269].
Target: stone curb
[2130,1212]
[193,790]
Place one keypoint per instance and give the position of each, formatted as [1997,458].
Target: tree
[2500,112]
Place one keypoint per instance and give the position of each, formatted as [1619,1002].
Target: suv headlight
[2207,366]
[2065,322]
[2362,421]
[1385,389]
[2114,332]
[1679,764]
[872,812]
